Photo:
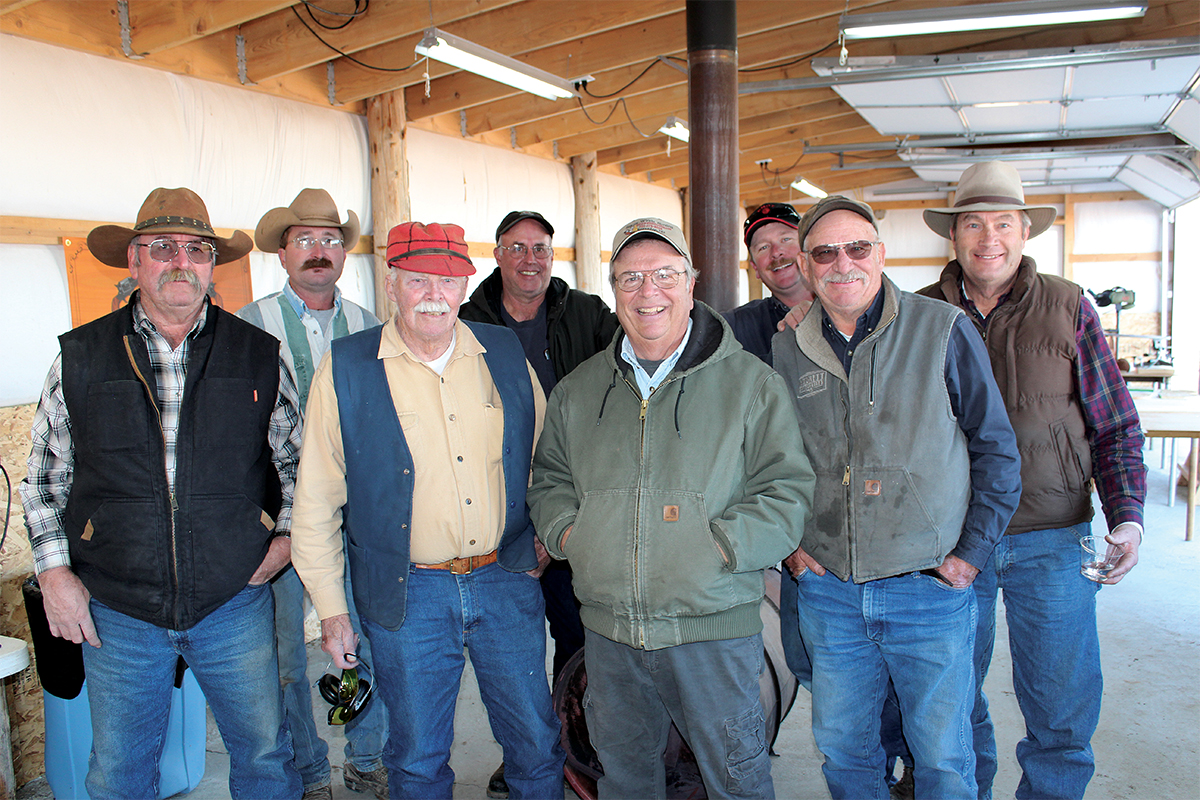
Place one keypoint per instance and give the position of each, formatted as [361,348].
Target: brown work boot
[374,781]
[318,793]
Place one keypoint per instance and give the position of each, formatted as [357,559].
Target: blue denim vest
[377,517]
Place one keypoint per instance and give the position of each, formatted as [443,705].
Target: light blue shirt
[647,383]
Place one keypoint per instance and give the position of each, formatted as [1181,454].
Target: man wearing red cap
[418,442]
[158,503]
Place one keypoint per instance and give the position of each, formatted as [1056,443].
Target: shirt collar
[300,307]
[391,345]
[646,383]
[143,325]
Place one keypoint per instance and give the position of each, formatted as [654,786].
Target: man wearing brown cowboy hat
[158,502]
[1075,422]
[419,440]
[306,316]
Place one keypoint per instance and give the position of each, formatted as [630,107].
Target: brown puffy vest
[1030,340]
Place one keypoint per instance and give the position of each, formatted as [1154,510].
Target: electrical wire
[619,104]
[7,507]
[636,78]
[346,55]
[793,62]
[351,16]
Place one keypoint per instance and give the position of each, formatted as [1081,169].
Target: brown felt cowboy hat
[990,186]
[313,208]
[165,211]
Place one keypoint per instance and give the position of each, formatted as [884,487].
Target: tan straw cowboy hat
[990,186]
[165,211]
[313,208]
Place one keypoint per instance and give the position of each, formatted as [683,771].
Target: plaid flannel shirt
[47,485]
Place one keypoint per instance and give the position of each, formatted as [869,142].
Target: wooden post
[390,203]
[713,148]
[589,273]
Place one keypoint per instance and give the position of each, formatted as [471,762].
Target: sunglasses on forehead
[828,253]
[348,694]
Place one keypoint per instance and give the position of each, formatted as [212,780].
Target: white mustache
[179,275]
[432,307]
[845,277]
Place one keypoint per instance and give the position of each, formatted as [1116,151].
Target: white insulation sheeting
[88,138]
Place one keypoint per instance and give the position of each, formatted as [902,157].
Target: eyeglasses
[828,253]
[308,242]
[165,250]
[349,694]
[540,251]
[662,278]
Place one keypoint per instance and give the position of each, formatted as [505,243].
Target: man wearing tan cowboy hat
[1075,422]
[306,316]
[419,437]
[158,502]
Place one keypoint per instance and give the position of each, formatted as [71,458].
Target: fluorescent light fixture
[986,16]
[458,52]
[676,129]
[801,185]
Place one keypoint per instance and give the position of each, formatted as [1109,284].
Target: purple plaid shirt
[1113,428]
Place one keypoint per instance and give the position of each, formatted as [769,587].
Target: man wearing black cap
[158,501]
[559,328]
[773,249]
[917,477]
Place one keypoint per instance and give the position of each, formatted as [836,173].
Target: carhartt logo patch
[810,383]
[670,513]
[88,530]
[872,488]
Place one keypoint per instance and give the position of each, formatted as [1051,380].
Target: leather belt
[462,566]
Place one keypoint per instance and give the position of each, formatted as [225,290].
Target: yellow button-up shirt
[454,426]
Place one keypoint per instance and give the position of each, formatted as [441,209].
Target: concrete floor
[1147,745]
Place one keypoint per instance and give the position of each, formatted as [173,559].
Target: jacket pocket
[118,418]
[120,539]
[1069,465]
[892,524]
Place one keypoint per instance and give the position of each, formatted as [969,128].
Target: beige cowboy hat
[990,186]
[312,207]
[165,211]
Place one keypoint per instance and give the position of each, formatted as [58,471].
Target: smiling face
[774,250]
[173,289]
[846,287]
[524,277]
[312,272]
[988,246]
[427,309]
[654,319]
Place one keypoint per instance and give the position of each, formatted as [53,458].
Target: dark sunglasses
[348,694]
[828,253]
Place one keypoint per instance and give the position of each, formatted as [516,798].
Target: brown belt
[462,566]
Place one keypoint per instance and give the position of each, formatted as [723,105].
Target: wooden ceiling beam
[157,25]
[277,44]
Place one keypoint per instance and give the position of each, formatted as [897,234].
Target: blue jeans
[916,630]
[365,734]
[1051,613]
[498,617]
[130,677]
[710,690]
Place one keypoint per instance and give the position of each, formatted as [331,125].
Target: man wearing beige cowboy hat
[306,316]
[158,502]
[419,437]
[1075,422]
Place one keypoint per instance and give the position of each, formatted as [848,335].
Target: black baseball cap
[769,212]
[513,217]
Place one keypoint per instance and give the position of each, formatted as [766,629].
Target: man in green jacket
[672,473]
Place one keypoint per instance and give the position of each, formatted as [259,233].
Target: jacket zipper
[174,504]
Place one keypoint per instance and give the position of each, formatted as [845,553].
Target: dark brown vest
[1030,340]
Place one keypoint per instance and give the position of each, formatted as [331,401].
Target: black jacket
[170,559]
[578,324]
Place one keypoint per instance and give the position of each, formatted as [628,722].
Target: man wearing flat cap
[306,316]
[1075,423]
[419,437]
[158,502]
[671,472]
[917,476]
